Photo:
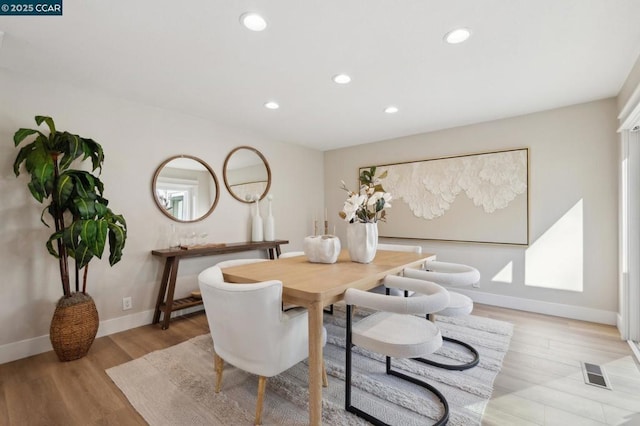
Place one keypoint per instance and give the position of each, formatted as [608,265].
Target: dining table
[316,285]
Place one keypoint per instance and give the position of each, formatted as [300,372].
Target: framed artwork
[481,198]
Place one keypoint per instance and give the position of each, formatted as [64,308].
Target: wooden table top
[305,282]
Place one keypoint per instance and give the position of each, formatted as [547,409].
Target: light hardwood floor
[540,384]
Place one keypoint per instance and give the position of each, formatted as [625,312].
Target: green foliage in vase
[368,205]
[73,198]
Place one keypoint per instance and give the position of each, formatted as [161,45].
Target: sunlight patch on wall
[505,275]
[555,260]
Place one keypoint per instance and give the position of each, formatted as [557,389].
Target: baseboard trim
[540,307]
[37,345]
[636,351]
[25,348]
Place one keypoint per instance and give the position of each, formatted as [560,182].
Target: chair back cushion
[248,327]
[445,273]
[429,297]
[400,247]
[237,262]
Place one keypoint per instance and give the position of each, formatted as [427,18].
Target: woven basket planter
[74,326]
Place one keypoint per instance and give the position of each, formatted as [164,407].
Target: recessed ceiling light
[253,21]
[457,36]
[271,105]
[342,79]
[391,109]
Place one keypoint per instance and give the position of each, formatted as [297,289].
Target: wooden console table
[165,302]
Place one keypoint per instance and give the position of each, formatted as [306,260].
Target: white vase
[322,248]
[269,226]
[362,241]
[256,225]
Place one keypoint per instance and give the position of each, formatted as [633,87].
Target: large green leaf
[117,238]
[64,188]
[71,146]
[54,238]
[40,166]
[49,209]
[84,207]
[21,134]
[88,231]
[94,235]
[85,184]
[101,207]
[82,255]
[93,150]
[22,156]
[71,235]
[102,228]
[43,118]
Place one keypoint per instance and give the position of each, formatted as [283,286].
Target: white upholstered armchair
[250,330]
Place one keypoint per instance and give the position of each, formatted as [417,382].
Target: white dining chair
[395,332]
[450,275]
[381,289]
[290,254]
[251,332]
[237,262]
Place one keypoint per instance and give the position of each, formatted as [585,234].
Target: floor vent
[594,375]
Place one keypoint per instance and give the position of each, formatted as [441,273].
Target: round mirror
[185,188]
[247,174]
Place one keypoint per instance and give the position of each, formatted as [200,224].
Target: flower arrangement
[368,205]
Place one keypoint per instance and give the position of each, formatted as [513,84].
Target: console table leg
[171,288]
[163,288]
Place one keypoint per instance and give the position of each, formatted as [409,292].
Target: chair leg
[445,416]
[262,384]
[219,365]
[452,367]
[347,363]
[455,367]
[347,384]
[329,310]
[325,379]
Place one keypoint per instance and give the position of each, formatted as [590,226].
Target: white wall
[136,139]
[573,177]
[629,89]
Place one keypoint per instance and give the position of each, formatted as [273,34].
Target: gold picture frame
[479,198]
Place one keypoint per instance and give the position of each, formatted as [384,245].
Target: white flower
[374,199]
[352,205]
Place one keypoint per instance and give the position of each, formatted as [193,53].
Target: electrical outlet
[126,303]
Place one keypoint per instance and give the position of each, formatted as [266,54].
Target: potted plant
[362,210]
[83,223]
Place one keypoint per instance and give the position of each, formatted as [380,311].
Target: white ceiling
[195,57]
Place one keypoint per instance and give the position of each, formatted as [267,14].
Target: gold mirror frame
[159,203]
[226,178]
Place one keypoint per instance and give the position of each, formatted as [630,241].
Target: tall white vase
[362,241]
[269,225]
[256,224]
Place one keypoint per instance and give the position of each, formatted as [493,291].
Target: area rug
[174,386]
